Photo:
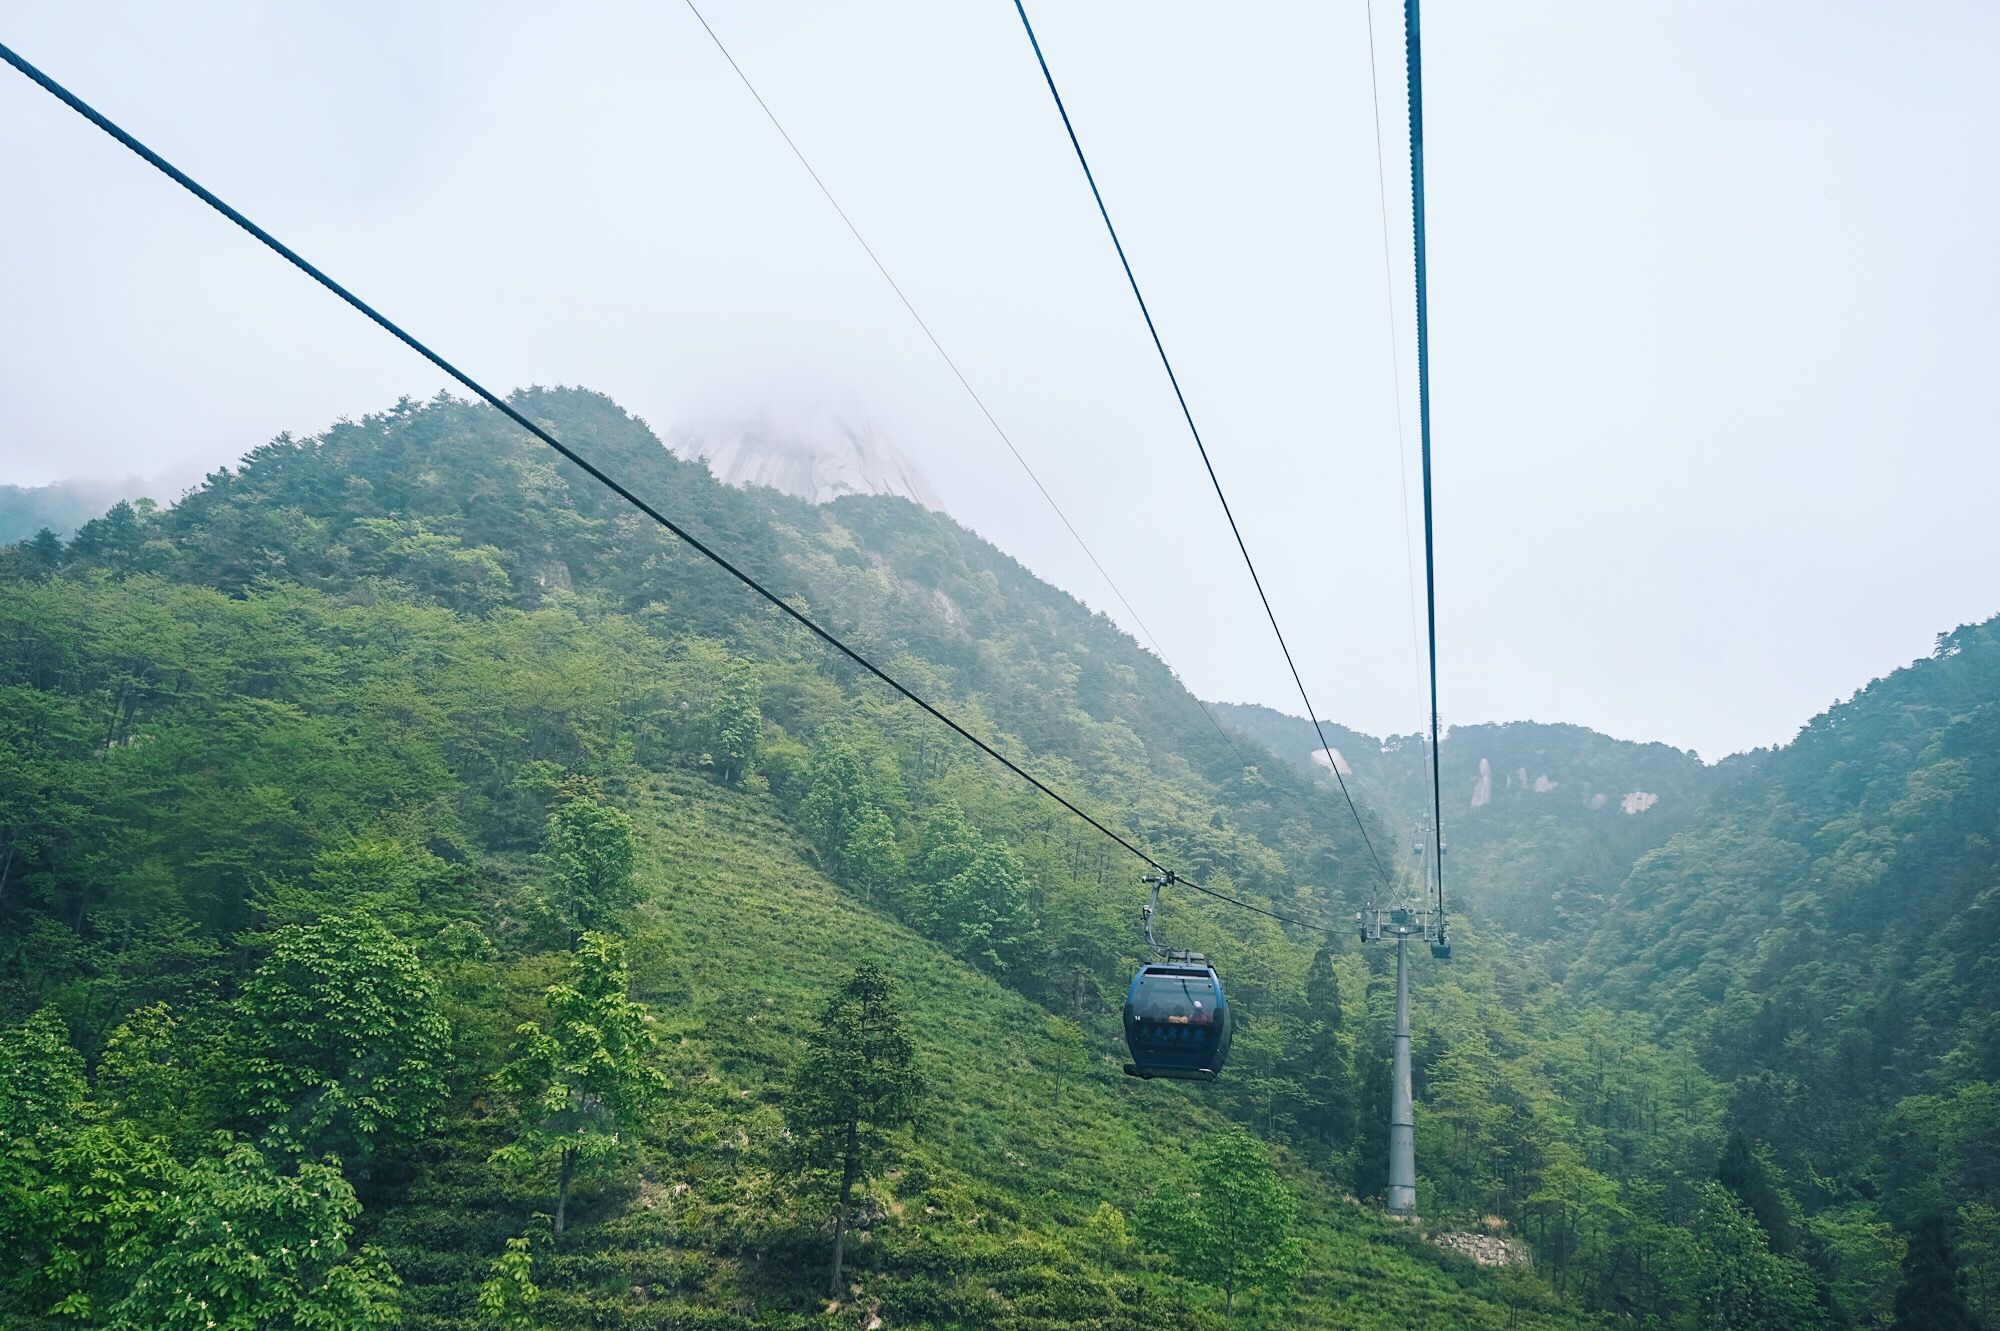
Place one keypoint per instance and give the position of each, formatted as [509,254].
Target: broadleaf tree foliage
[508,1296]
[105,1225]
[589,852]
[344,1046]
[581,1080]
[1233,1226]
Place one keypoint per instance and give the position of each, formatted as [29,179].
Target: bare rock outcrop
[1485,1249]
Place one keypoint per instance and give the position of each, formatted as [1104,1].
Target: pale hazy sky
[1715,297]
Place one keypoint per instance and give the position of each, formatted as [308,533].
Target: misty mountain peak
[817,452]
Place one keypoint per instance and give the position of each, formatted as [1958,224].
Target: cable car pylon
[1402,923]
[1401,1197]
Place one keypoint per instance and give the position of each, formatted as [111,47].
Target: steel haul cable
[1413,55]
[1395,362]
[1187,414]
[486,395]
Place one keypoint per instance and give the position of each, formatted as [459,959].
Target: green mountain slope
[222,761]
[986,1221]
[352,690]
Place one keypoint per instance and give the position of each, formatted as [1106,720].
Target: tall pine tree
[1745,1173]
[856,1085]
[1931,1297]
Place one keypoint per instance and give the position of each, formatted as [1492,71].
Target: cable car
[1177,1023]
[1176,1019]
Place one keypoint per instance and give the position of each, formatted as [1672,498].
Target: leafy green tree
[237,1246]
[1859,1254]
[115,538]
[983,915]
[54,806]
[946,844]
[146,1075]
[1979,1244]
[971,895]
[42,1086]
[737,725]
[581,1082]
[1323,1070]
[1932,1295]
[836,797]
[45,548]
[431,565]
[1106,1235]
[873,859]
[1064,1053]
[1578,1205]
[399,883]
[1234,1228]
[101,1199]
[855,1086]
[1739,1284]
[344,1043]
[508,1296]
[44,1105]
[588,849]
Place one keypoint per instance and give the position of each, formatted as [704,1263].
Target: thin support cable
[1187,414]
[957,373]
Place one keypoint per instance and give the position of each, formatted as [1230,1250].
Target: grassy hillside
[988,1219]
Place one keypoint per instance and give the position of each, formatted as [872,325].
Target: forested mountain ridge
[1541,820]
[431,501]
[1828,927]
[406,732]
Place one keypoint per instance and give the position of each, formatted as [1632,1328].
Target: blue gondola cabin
[1176,1020]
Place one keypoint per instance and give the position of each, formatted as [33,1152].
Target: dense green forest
[432,896]
[1818,921]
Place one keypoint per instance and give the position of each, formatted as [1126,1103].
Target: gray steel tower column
[1402,1199]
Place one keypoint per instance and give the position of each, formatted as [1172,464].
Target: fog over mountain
[65,505]
[814,451]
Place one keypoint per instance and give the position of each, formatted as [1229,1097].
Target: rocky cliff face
[816,453]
